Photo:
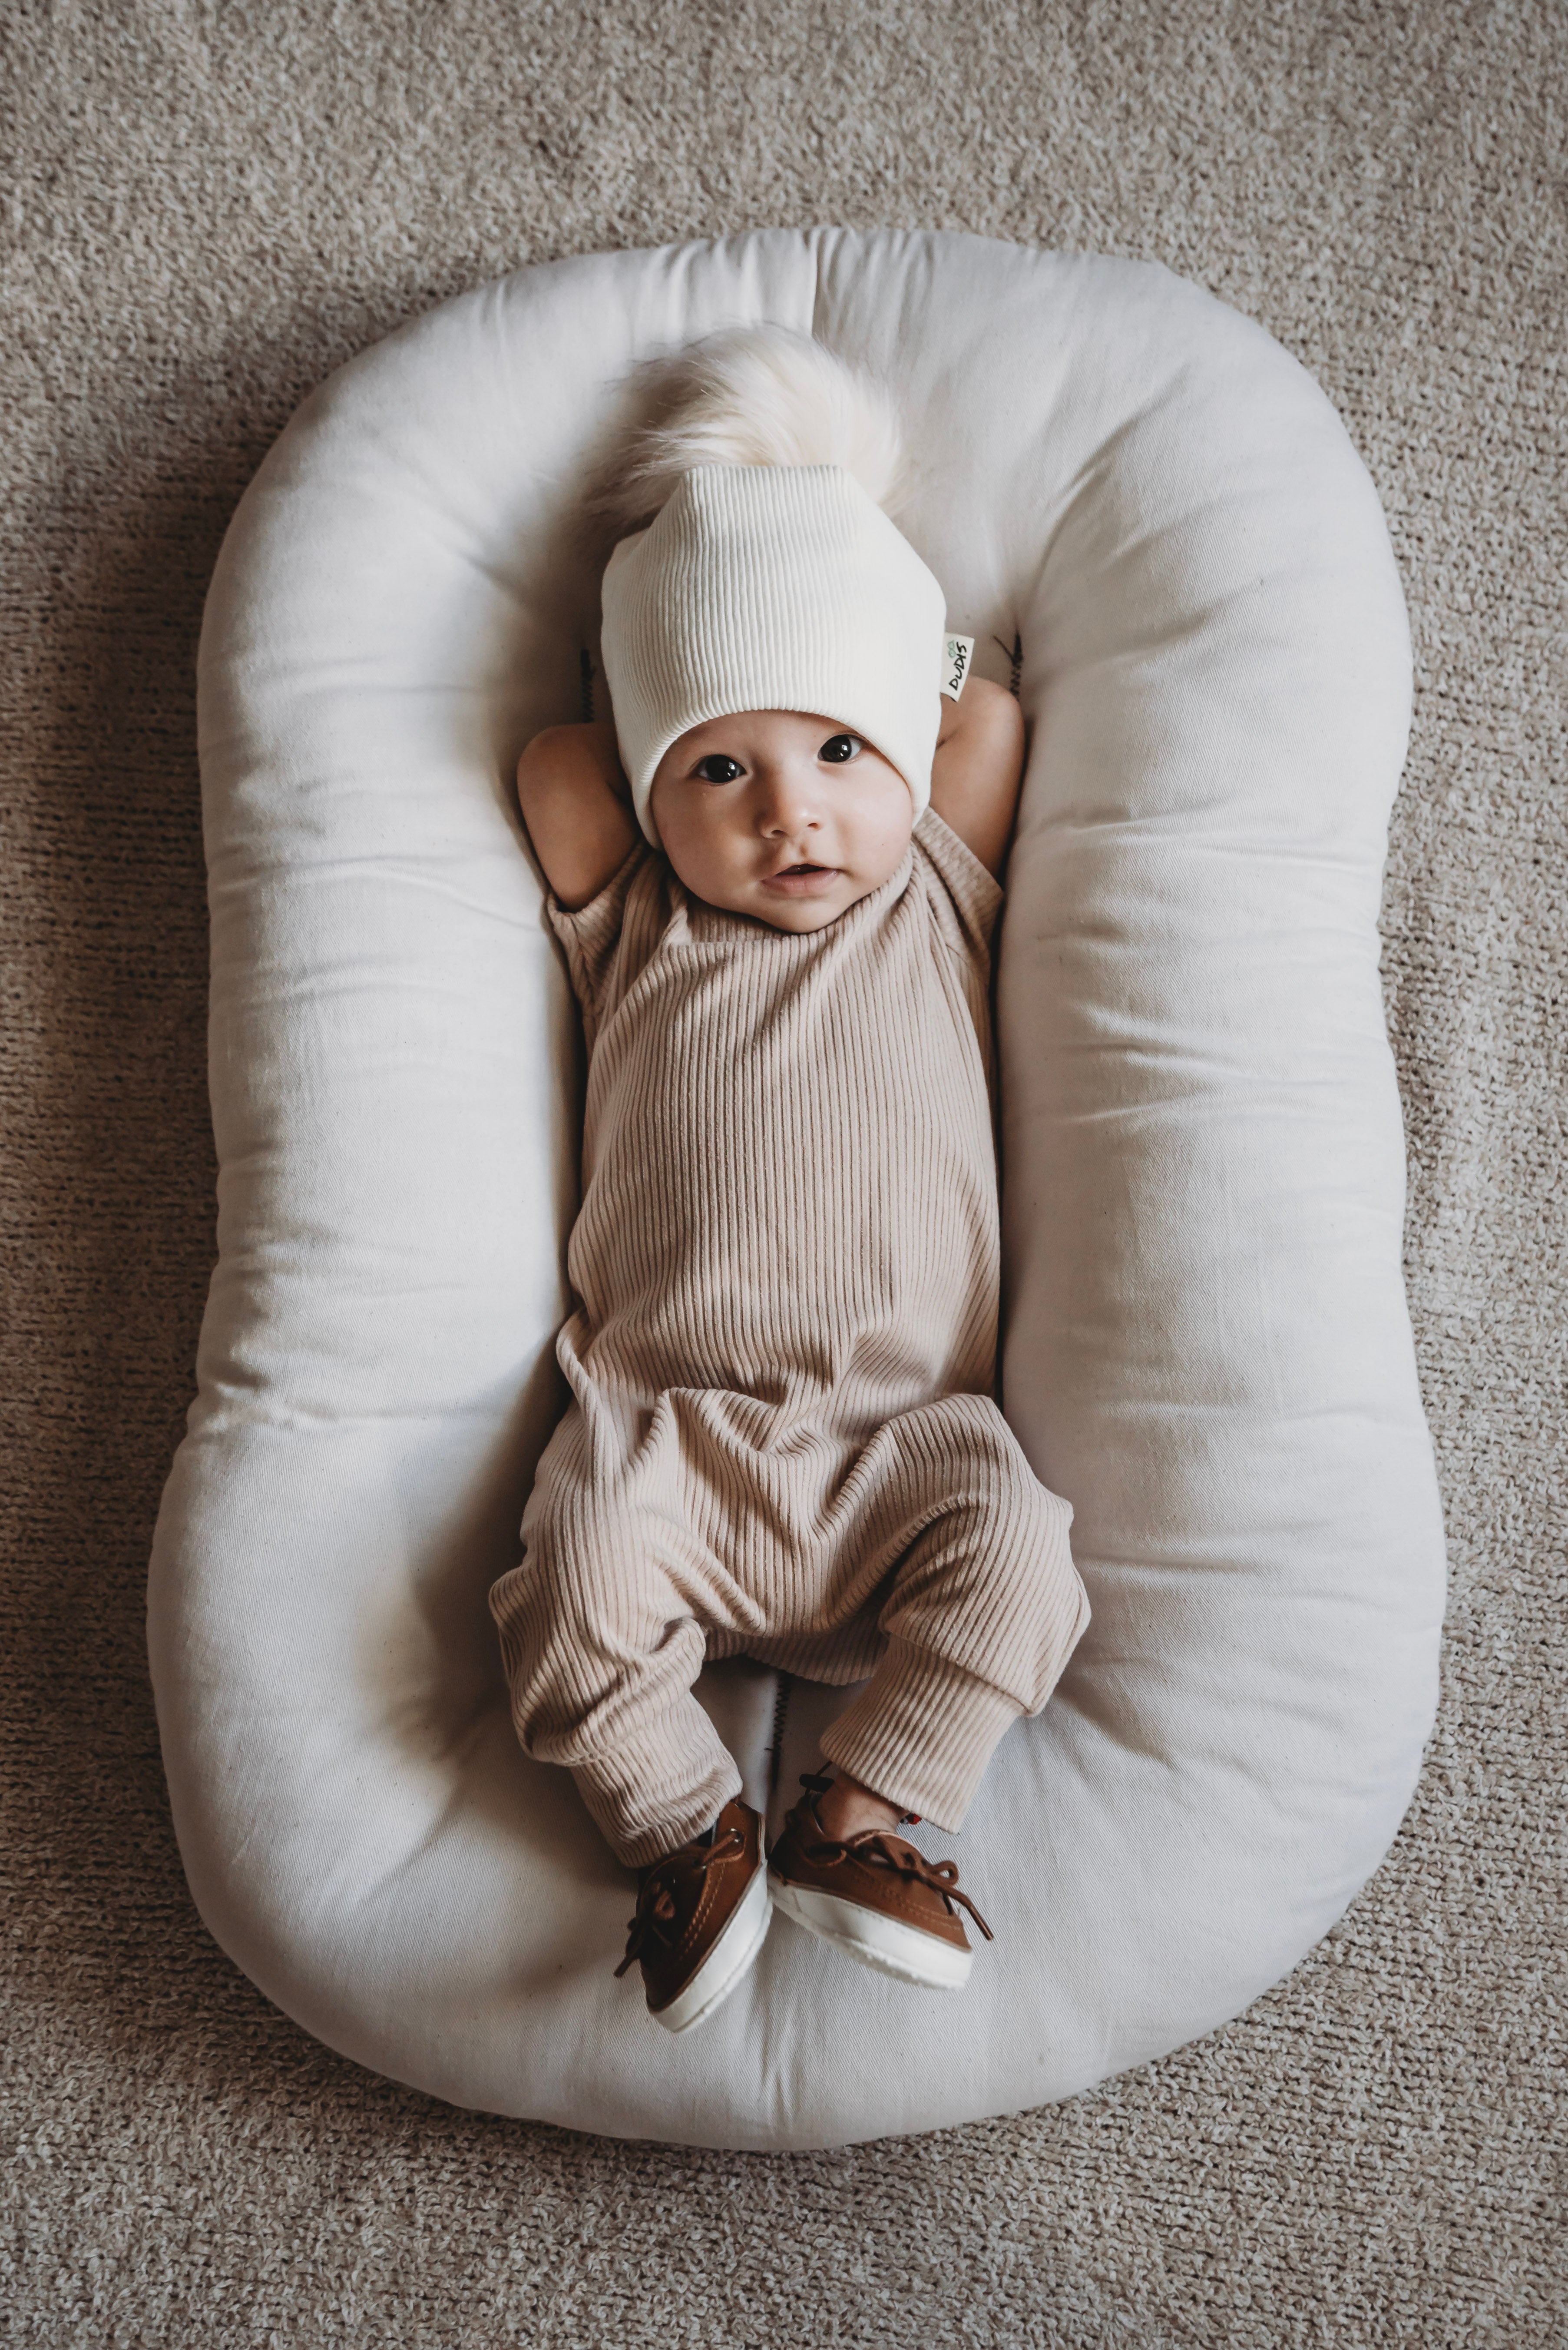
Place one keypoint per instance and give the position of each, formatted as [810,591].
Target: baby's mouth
[793,878]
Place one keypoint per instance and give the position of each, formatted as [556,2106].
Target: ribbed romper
[782,1439]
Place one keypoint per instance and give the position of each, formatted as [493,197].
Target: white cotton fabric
[771,588]
[1207,1349]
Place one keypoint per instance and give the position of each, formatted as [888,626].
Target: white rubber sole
[725,1963]
[893,1948]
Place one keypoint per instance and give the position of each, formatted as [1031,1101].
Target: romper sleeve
[592,936]
[966,899]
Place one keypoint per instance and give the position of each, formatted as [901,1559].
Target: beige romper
[782,1439]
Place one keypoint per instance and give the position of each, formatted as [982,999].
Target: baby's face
[786,817]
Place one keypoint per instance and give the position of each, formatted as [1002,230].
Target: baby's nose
[788,800]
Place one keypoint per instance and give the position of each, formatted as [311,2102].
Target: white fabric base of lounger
[1207,1346]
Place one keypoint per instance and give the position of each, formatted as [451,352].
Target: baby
[774,876]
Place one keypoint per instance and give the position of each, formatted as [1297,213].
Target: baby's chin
[796,901]
[800,910]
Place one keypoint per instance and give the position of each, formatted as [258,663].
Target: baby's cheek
[705,866]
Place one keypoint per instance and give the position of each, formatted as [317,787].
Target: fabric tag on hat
[957,654]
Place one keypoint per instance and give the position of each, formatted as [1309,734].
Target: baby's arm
[576,805]
[979,768]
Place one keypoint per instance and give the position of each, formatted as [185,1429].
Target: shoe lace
[906,1860]
[658,1910]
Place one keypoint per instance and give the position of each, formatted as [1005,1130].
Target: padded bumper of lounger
[1207,1347]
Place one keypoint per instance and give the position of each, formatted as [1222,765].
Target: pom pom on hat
[761,395]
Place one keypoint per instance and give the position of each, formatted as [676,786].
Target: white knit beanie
[771,588]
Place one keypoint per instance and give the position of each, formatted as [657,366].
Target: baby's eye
[718,767]
[838,748]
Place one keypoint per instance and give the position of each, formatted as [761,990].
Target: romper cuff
[920,1733]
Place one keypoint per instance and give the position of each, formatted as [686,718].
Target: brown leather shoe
[876,1896]
[702,1917]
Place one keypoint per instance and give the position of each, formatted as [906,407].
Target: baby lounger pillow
[1133,496]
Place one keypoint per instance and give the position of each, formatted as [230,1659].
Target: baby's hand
[576,805]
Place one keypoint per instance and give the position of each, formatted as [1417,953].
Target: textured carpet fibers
[209,205]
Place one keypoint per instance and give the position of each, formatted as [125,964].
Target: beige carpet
[214,202]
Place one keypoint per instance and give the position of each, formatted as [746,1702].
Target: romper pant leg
[601,1648]
[983,1609]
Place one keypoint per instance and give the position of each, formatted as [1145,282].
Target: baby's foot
[874,1895]
[701,1917]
